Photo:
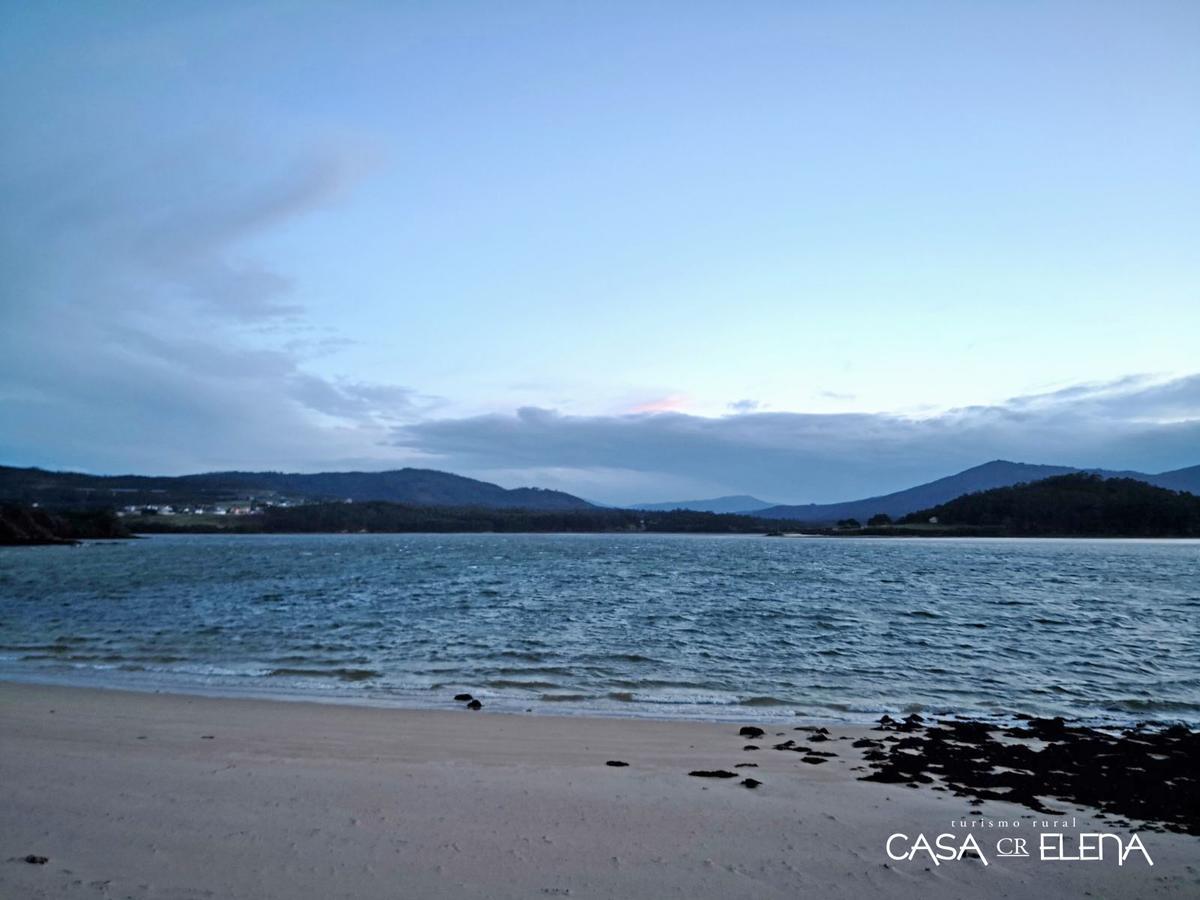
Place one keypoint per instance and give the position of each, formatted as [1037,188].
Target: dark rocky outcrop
[30,525]
[1149,773]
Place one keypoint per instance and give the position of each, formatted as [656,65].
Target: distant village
[249,507]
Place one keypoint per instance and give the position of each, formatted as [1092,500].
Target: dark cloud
[1131,423]
[744,406]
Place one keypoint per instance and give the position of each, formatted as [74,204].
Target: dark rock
[713,773]
[799,748]
[910,723]
[616,763]
[751,783]
[750,747]
[746,766]
[813,760]
[751,731]
[474,704]
[463,698]
[34,860]
[1147,774]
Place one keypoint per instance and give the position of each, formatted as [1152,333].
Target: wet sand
[157,795]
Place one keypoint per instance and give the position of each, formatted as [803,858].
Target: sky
[641,252]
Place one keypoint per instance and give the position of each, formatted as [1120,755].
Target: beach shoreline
[162,795]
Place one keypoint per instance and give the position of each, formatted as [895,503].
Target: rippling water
[679,626]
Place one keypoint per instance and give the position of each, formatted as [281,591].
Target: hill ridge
[420,487]
[996,473]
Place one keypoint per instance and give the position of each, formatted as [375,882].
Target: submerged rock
[474,704]
[463,698]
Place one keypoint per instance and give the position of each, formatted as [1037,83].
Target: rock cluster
[1147,773]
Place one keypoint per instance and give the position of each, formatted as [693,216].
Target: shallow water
[659,625]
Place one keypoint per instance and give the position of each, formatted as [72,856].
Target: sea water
[715,627]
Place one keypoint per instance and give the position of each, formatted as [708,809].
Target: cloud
[661,404]
[796,457]
[142,331]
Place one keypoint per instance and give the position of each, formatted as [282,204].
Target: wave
[340,674]
[527,685]
[1134,704]
[766,701]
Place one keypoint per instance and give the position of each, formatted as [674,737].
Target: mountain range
[416,487]
[995,474]
[431,488]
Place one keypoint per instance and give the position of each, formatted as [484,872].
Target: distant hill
[998,473]
[1078,505]
[417,487]
[740,503]
[1178,480]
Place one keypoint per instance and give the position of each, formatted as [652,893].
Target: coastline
[163,795]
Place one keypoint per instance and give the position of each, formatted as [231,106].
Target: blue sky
[636,251]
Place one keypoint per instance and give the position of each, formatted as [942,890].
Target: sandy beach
[157,795]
